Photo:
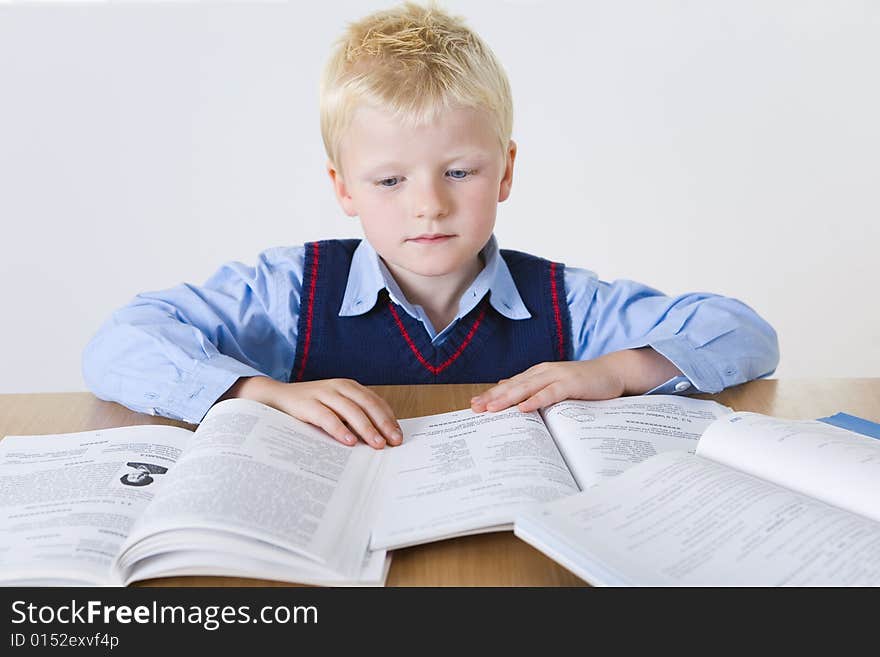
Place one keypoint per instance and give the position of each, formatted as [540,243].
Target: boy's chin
[433,268]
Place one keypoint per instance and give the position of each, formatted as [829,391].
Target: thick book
[763,502]
[253,492]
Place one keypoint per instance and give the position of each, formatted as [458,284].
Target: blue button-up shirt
[175,352]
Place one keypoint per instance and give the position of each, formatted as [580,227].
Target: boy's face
[426,196]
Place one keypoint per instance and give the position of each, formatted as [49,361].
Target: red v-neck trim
[435,369]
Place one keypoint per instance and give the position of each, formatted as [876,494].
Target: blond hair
[413,61]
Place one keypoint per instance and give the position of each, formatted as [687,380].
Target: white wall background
[724,146]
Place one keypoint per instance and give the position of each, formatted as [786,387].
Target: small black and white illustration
[141,475]
[578,414]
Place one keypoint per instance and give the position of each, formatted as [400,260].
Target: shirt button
[681,386]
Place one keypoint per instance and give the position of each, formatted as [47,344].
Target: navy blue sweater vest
[385,346]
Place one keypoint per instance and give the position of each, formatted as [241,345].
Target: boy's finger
[536,378]
[500,393]
[356,418]
[492,393]
[515,393]
[508,399]
[321,416]
[378,410]
[544,397]
[481,402]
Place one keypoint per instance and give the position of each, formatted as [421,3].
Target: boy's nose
[431,202]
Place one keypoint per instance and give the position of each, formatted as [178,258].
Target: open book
[764,501]
[463,473]
[253,492]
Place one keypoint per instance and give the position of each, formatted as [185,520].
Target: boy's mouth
[431,238]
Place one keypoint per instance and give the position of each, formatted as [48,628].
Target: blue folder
[853,423]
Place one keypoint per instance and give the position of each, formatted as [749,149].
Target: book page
[826,462]
[679,519]
[70,500]
[218,563]
[463,472]
[601,439]
[258,473]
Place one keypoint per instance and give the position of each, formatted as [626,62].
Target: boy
[416,117]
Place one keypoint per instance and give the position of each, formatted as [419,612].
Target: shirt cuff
[698,371]
[677,385]
[191,398]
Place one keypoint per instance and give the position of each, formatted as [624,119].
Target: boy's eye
[455,174]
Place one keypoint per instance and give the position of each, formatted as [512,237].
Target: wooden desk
[486,560]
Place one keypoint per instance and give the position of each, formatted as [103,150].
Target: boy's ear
[507,180]
[342,195]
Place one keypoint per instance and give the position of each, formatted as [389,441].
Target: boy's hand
[342,407]
[632,371]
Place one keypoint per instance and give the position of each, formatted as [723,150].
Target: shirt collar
[368,276]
